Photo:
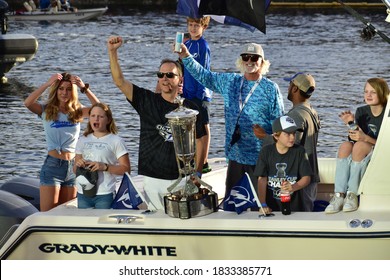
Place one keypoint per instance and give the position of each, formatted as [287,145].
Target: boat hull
[218,236]
[67,232]
[81,14]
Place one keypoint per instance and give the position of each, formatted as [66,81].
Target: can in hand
[353,126]
[285,199]
[179,40]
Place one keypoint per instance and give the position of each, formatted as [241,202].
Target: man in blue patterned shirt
[251,101]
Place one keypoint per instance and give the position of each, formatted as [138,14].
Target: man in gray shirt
[299,92]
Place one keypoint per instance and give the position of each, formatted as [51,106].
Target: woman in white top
[100,149]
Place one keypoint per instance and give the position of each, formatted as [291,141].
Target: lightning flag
[242,196]
[127,197]
[249,14]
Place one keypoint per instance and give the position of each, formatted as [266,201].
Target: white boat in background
[66,232]
[51,15]
[15,49]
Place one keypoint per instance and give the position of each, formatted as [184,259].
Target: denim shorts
[57,172]
[100,201]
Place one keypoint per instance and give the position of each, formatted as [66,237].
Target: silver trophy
[186,199]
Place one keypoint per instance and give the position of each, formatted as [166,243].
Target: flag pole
[255,195]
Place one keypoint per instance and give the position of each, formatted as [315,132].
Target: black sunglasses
[169,75]
[246,57]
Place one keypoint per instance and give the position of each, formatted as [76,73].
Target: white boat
[15,49]
[50,15]
[66,232]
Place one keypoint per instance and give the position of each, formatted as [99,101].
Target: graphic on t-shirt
[94,148]
[373,129]
[275,181]
[165,131]
[281,170]
[59,124]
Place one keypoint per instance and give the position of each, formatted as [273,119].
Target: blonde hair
[264,69]
[111,126]
[73,106]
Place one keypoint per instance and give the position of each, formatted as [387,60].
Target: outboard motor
[3,16]
[13,210]
[26,188]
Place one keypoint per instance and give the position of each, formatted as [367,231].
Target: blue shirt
[200,50]
[262,108]
[44,4]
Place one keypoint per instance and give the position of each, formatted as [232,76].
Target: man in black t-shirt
[157,159]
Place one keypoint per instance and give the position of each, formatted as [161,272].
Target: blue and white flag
[242,196]
[249,14]
[127,197]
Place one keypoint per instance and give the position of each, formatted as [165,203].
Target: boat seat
[327,169]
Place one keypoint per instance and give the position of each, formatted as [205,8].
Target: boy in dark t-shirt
[282,166]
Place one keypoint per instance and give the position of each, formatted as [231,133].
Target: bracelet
[264,205]
[106,167]
[85,88]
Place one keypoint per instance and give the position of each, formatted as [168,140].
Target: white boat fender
[27,6]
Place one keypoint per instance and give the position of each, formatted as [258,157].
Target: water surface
[326,45]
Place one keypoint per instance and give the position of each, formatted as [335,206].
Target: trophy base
[192,206]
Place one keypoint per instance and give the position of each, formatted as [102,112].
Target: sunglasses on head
[66,76]
[169,75]
[253,58]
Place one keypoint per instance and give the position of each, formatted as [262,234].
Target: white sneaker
[350,202]
[335,204]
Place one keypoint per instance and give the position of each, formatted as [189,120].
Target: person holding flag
[282,166]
